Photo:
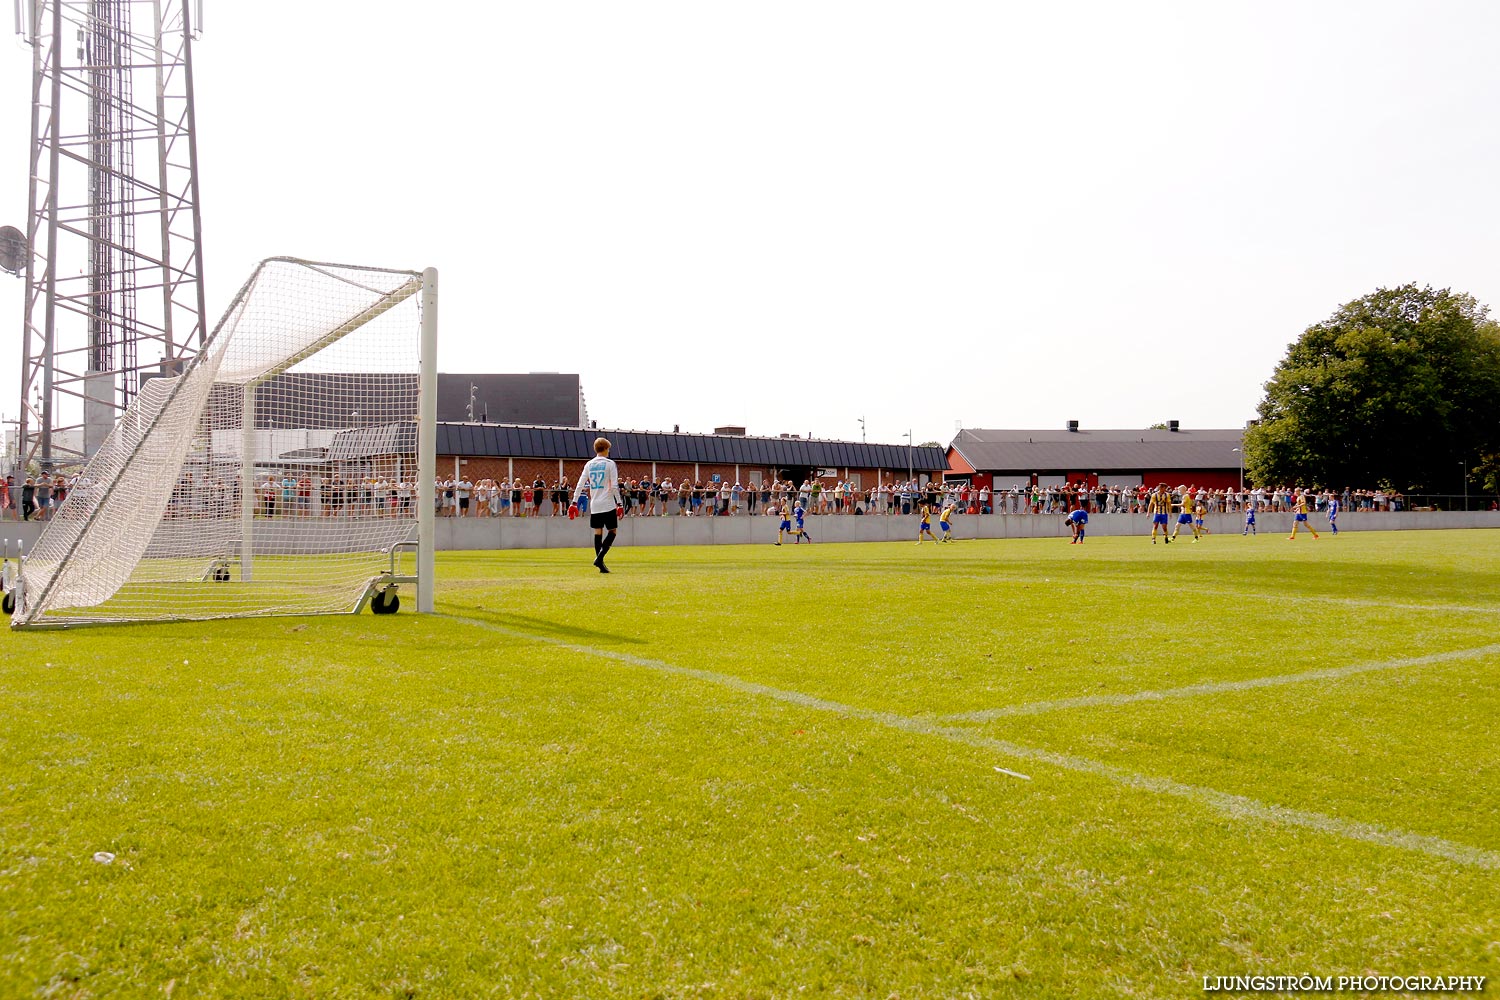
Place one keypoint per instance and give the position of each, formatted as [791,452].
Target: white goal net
[277,474]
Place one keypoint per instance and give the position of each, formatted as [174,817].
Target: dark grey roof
[368,442]
[516,441]
[1097,450]
[542,398]
[324,399]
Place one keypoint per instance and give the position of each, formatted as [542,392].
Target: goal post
[287,470]
[427,448]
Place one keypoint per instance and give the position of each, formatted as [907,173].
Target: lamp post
[1242,468]
[1464,464]
[910,472]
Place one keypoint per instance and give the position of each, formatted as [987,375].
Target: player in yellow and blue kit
[945,522]
[786,522]
[925,527]
[1185,515]
[1159,505]
[1299,504]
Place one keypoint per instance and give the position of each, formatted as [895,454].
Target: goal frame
[423,284]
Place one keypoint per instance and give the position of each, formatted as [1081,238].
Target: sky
[790,216]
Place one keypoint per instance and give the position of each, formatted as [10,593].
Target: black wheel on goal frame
[9,602]
[221,574]
[385,602]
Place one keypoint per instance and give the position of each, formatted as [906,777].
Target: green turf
[762,772]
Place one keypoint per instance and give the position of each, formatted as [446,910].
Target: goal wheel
[221,574]
[9,603]
[386,602]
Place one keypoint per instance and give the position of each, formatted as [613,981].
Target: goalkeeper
[600,482]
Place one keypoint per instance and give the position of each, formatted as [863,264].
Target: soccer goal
[286,470]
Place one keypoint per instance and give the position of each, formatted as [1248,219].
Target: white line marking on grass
[1107,581]
[1353,602]
[1218,687]
[1013,774]
[1235,806]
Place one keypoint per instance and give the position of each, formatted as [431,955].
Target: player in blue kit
[1333,512]
[800,513]
[1078,521]
[1249,518]
[600,483]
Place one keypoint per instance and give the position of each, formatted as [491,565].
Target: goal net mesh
[276,474]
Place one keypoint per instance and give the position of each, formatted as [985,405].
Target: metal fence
[388,499]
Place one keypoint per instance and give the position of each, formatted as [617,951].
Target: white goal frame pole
[247,485]
[427,446]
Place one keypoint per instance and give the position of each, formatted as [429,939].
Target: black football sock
[609,539]
[598,541]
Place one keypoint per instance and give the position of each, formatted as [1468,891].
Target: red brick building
[1005,458]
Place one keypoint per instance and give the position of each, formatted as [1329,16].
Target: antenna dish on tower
[13,250]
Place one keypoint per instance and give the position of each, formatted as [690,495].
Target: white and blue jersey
[1333,509]
[799,514]
[1079,517]
[600,483]
[1250,513]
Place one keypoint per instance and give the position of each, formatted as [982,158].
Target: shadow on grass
[541,627]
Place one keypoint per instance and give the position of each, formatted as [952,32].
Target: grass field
[743,772]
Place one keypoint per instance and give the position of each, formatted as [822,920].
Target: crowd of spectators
[35,498]
[1132,499]
[300,494]
[687,498]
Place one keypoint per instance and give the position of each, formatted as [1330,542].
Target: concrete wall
[559,532]
[549,532]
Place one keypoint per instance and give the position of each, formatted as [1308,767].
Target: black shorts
[609,519]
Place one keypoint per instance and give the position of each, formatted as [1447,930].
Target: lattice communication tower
[114,285]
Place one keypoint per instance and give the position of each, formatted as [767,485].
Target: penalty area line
[1238,807]
[1220,687]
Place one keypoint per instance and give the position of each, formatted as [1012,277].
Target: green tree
[1398,388]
